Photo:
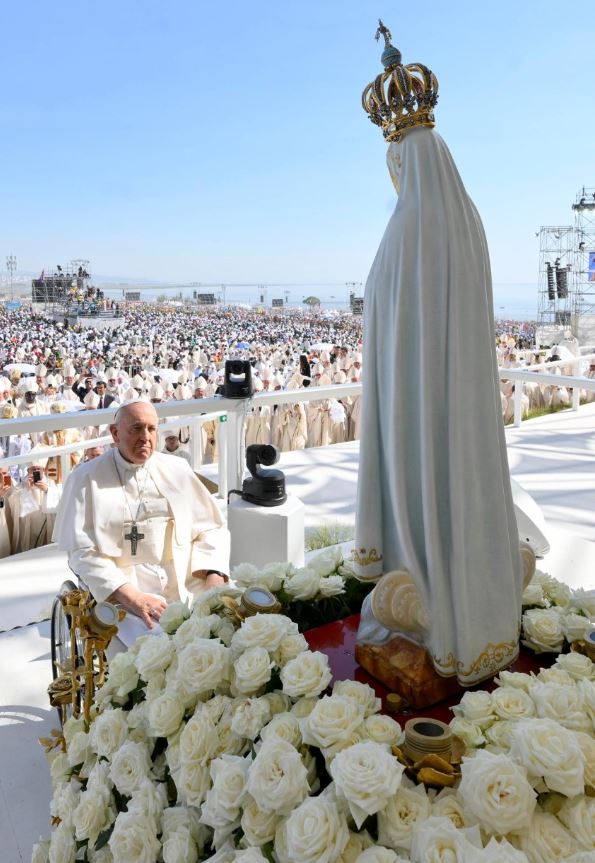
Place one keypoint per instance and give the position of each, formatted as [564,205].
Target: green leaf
[103,838]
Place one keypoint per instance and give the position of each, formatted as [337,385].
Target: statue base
[405,667]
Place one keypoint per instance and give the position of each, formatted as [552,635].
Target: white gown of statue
[434,493]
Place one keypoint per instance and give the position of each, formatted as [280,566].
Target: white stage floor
[553,458]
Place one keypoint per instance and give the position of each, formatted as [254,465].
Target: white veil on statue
[434,495]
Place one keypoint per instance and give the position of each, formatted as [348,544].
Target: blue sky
[225,142]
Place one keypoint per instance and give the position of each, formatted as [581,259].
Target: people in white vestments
[139,527]
[32,507]
[172,446]
[6,489]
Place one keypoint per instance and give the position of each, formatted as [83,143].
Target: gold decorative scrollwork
[363,557]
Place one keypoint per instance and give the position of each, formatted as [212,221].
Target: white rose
[229,774]
[397,821]
[249,717]
[277,778]
[252,670]
[382,729]
[166,714]
[71,727]
[130,766]
[122,677]
[315,832]
[62,845]
[40,851]
[307,675]
[60,767]
[198,740]
[533,594]
[325,563]
[250,855]
[578,815]
[546,840]
[192,782]
[476,707]
[231,743]
[447,804]
[150,799]
[587,692]
[79,748]
[470,733]
[64,802]
[203,665]
[93,815]
[304,707]
[555,674]
[155,654]
[245,574]
[184,819]
[576,665]
[499,735]
[104,855]
[583,600]
[332,585]
[502,852]
[575,626]
[515,679]
[224,630]
[292,645]
[133,839]
[283,725]
[305,584]
[366,776]
[217,706]
[191,630]
[437,840]
[361,692]
[180,847]
[586,744]
[277,701]
[274,574]
[357,736]
[108,732]
[357,843]
[259,826]
[262,630]
[549,751]
[511,703]
[542,630]
[496,791]
[377,855]
[564,704]
[333,718]
[557,592]
[173,616]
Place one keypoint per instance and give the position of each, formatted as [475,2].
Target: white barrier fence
[231,414]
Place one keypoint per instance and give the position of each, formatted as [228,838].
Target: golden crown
[402,96]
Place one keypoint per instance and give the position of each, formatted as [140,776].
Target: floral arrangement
[554,615]
[322,591]
[218,741]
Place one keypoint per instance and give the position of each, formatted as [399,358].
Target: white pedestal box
[266,534]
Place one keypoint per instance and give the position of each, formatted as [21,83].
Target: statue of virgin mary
[435,518]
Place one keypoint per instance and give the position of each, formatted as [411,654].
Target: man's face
[69,380]
[29,398]
[172,443]
[135,432]
[100,389]
[198,394]
[93,452]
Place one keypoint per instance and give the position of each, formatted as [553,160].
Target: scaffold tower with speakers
[583,281]
[556,260]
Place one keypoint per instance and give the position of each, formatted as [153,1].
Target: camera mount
[263,487]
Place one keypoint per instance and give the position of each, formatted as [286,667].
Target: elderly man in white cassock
[139,527]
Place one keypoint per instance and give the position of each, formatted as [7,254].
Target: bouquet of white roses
[554,615]
[323,590]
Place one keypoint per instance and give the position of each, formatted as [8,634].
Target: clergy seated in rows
[172,446]
[139,527]
[31,507]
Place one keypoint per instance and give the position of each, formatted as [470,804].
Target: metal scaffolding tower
[583,281]
[556,262]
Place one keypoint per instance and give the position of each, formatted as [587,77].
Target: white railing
[232,413]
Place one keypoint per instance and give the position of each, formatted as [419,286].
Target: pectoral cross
[134,536]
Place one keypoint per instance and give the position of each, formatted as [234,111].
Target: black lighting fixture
[263,487]
[237,383]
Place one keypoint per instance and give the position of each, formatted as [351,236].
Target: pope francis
[139,527]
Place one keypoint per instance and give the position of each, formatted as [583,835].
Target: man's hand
[147,606]
[210,578]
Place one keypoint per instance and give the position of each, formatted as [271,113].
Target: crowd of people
[159,355]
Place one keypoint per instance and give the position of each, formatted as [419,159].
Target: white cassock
[434,494]
[182,526]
